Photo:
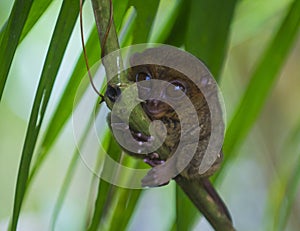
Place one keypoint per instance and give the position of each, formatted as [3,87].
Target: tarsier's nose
[155,108]
[113,92]
[153,103]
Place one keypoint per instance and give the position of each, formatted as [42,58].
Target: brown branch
[206,204]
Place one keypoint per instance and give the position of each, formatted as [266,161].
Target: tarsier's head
[164,97]
[165,90]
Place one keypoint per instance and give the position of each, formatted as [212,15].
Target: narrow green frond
[208,31]
[106,191]
[61,35]
[262,80]
[65,105]
[146,11]
[11,37]
[291,192]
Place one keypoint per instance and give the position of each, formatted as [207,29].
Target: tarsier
[176,88]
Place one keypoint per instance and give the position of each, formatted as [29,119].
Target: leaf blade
[65,105]
[60,38]
[288,200]
[146,11]
[11,37]
[208,31]
[261,83]
[106,191]
[37,10]
[282,193]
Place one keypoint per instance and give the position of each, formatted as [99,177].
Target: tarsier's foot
[153,160]
[160,175]
[152,179]
[155,177]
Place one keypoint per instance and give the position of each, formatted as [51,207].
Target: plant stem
[108,39]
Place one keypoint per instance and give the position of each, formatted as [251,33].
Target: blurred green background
[254,183]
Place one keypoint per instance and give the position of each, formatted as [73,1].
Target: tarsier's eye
[113,92]
[142,79]
[142,76]
[175,89]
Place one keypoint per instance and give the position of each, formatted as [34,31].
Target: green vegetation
[252,49]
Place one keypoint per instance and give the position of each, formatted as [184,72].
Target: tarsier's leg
[162,172]
[154,177]
[137,140]
[178,163]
